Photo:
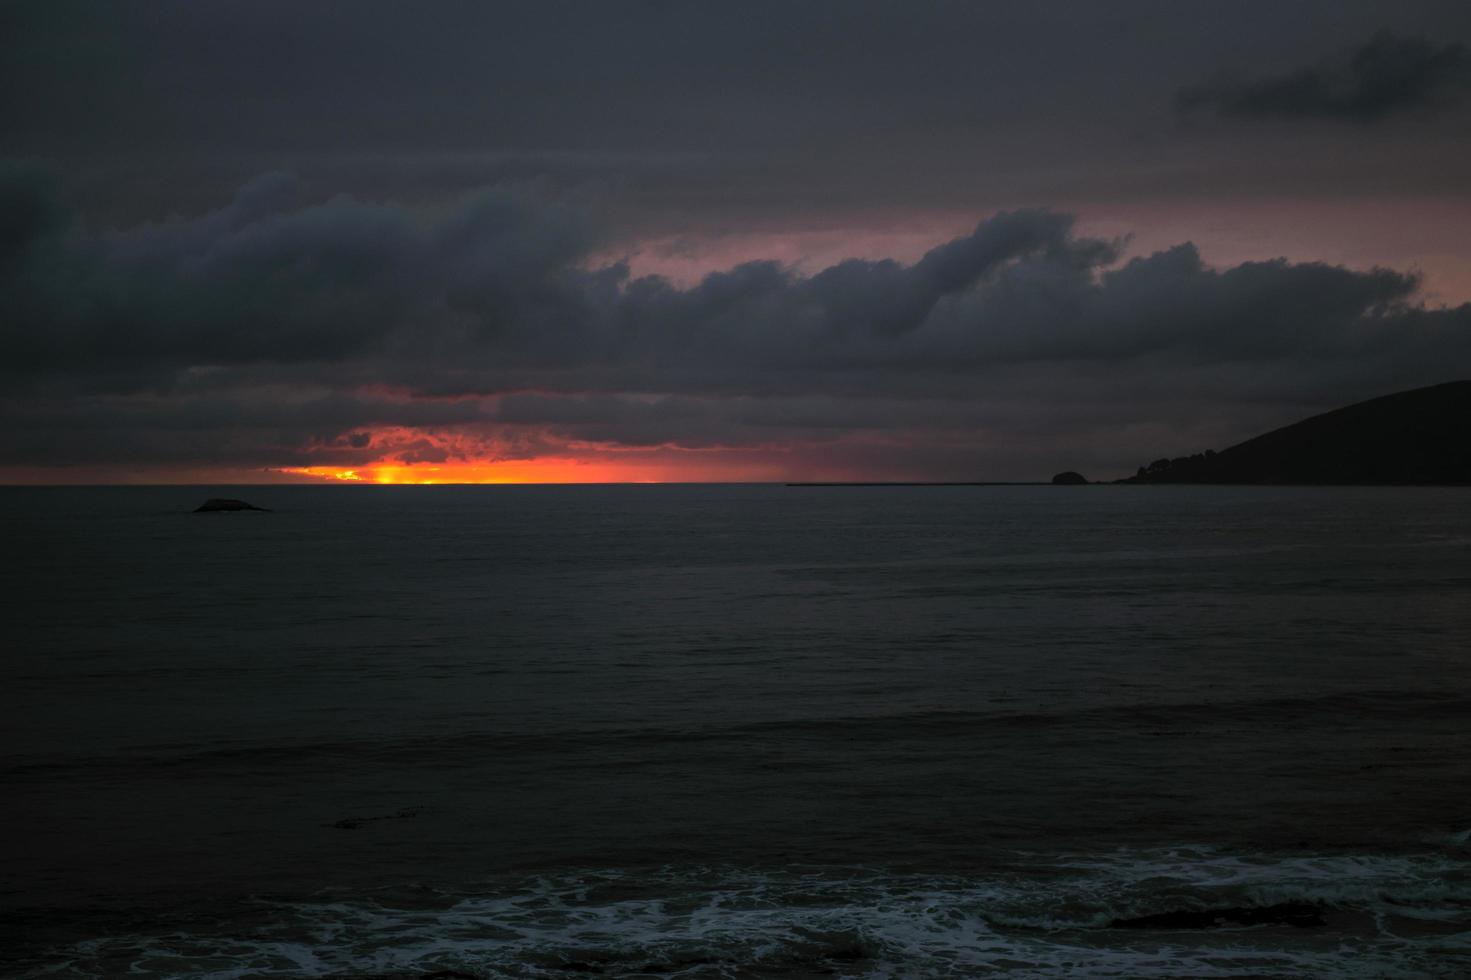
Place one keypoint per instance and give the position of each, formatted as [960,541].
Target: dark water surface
[735,731]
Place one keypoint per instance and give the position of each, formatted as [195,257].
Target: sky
[653,240]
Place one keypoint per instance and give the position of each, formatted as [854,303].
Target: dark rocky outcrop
[1069,479]
[1299,914]
[1418,437]
[224,503]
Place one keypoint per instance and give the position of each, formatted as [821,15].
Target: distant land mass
[1411,437]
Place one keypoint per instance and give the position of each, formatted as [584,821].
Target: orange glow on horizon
[404,455]
[655,469]
[527,471]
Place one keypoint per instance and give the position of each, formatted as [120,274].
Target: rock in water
[224,503]
[1069,479]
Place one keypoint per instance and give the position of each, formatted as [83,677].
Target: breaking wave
[1058,916]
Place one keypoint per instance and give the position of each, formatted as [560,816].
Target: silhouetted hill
[1420,436]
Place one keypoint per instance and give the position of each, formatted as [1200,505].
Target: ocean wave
[1042,916]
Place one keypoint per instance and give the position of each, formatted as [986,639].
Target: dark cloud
[161,303]
[261,280]
[274,332]
[693,114]
[1390,75]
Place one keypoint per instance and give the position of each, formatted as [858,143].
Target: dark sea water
[735,731]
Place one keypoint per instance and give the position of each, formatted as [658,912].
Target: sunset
[948,259]
[714,490]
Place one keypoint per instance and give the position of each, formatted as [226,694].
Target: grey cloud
[1389,75]
[695,114]
[261,281]
[889,300]
[273,332]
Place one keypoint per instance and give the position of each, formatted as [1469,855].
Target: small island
[217,504]
[1069,478]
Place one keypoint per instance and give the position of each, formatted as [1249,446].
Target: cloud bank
[1389,75]
[276,334]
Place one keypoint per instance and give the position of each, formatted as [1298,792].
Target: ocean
[736,731]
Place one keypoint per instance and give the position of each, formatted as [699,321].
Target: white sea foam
[1389,916]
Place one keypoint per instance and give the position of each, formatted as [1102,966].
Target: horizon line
[556,483]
